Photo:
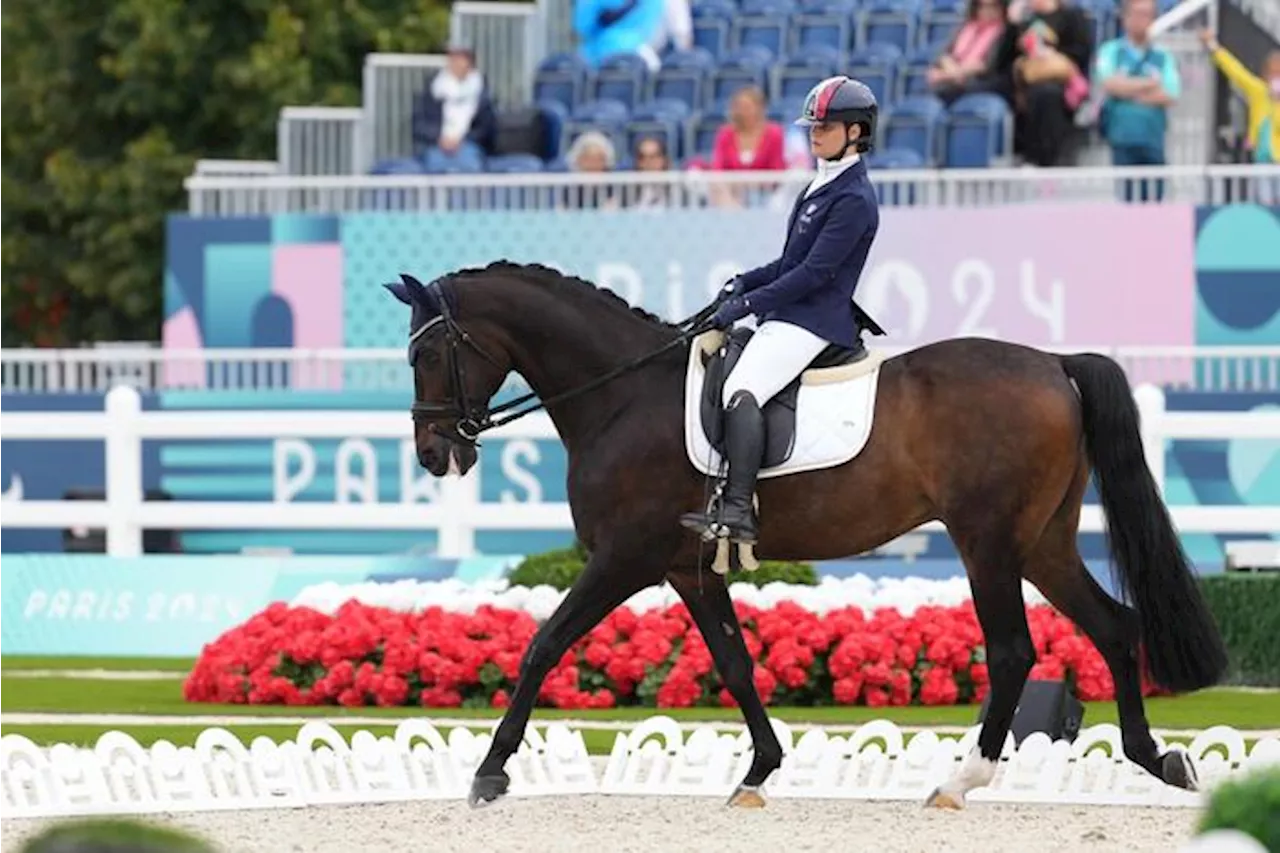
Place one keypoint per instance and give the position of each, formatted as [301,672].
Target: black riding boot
[744,451]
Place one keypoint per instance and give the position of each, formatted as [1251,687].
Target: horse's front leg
[605,583]
[712,609]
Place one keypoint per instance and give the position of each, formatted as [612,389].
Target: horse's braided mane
[555,279]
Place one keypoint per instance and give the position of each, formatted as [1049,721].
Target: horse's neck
[559,346]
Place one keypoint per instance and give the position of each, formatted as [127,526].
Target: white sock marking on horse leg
[975,772]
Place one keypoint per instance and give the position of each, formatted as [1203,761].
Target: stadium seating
[915,124]
[784,47]
[979,128]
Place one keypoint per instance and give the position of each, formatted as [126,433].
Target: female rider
[804,299]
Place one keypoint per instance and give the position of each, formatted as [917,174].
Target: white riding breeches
[775,355]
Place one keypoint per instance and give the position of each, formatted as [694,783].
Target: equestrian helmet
[845,100]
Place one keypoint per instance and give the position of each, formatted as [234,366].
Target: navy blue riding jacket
[829,236]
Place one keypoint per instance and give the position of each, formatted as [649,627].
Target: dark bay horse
[993,439]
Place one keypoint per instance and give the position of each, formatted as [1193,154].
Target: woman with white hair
[592,152]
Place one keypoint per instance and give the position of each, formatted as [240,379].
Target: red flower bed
[367,655]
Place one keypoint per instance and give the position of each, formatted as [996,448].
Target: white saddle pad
[834,411]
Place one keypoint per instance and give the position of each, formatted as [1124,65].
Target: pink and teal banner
[1065,275]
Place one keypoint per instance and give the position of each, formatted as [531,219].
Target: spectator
[966,64]
[1139,82]
[453,119]
[1261,93]
[1044,53]
[748,141]
[607,27]
[674,30]
[650,156]
[592,152]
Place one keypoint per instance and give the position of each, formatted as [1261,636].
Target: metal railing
[319,140]
[210,195]
[1219,368]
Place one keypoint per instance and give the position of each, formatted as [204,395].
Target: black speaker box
[1045,706]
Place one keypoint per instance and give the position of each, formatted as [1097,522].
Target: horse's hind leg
[1057,570]
[604,584]
[712,609]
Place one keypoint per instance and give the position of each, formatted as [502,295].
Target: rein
[471,421]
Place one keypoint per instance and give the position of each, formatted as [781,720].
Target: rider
[804,299]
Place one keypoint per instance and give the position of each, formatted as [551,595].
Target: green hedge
[1246,606]
[1249,804]
[561,567]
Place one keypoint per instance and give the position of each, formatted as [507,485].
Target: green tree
[107,106]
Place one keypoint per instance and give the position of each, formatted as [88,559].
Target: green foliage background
[107,106]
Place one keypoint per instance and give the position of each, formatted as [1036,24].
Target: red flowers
[373,656]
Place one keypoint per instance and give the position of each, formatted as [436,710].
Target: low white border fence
[877,761]
[458,511]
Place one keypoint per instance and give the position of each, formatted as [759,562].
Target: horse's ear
[399,291]
[414,286]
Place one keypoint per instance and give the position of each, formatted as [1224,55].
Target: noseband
[471,419]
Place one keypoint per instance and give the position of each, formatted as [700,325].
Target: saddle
[780,412]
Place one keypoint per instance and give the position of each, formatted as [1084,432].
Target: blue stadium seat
[746,67]
[888,22]
[606,115]
[700,133]
[801,72]
[683,76]
[766,30]
[977,130]
[622,77]
[817,26]
[751,8]
[663,119]
[954,7]
[896,158]
[399,166]
[913,73]
[936,26]
[877,65]
[785,110]
[561,77]
[712,23]
[514,164]
[915,124]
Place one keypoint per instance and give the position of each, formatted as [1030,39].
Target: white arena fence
[877,761]
[456,511]
[95,370]
[260,195]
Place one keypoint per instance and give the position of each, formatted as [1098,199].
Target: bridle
[470,418]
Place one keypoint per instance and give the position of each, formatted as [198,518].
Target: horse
[993,439]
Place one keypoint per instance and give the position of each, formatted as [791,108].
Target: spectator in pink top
[748,141]
[965,64]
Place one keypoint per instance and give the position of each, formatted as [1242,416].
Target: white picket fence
[151,368]
[458,512]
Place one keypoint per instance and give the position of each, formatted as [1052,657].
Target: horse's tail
[1183,646]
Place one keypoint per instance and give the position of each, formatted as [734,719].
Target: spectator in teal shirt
[1140,82]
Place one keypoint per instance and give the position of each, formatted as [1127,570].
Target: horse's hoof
[1177,770]
[941,799]
[486,789]
[747,797]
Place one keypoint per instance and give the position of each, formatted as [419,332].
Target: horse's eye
[430,358]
